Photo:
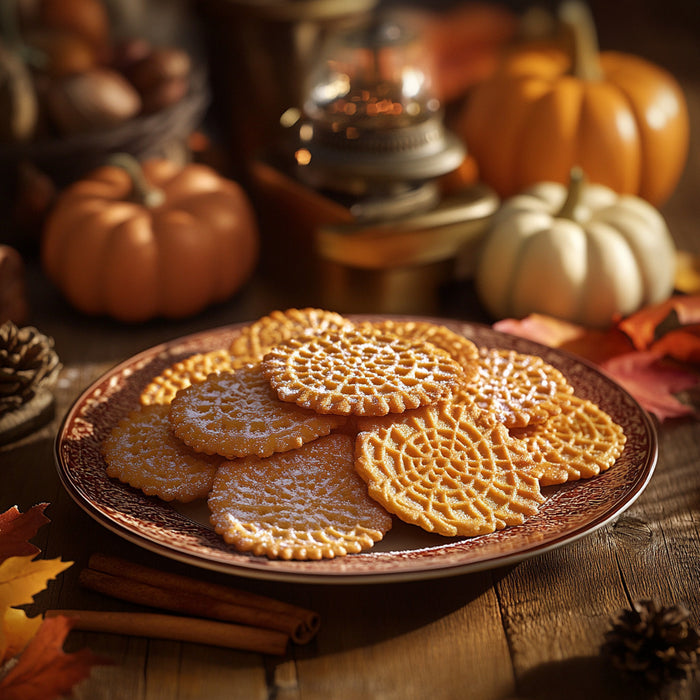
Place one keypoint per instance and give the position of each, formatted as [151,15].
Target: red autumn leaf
[16,529]
[652,382]
[594,345]
[44,671]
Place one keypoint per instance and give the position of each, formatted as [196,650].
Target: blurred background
[230,84]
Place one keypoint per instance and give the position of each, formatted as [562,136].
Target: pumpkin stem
[577,180]
[142,190]
[577,17]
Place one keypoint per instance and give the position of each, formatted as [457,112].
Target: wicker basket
[68,158]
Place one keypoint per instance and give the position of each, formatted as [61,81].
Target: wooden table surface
[530,630]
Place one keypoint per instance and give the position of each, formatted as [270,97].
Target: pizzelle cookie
[581,442]
[452,471]
[308,503]
[516,388]
[457,346]
[360,372]
[191,370]
[237,414]
[143,452]
[279,326]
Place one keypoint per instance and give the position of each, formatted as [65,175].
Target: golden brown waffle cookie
[453,471]
[517,389]
[457,346]
[461,396]
[279,326]
[304,504]
[143,452]
[191,370]
[360,372]
[237,414]
[580,442]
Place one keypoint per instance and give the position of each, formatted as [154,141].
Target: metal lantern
[372,130]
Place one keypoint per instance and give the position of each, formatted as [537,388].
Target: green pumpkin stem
[577,18]
[577,181]
[142,191]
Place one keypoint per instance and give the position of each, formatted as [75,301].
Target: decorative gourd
[157,240]
[619,117]
[583,255]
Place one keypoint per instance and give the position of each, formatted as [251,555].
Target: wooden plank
[125,679]
[440,639]
[558,607]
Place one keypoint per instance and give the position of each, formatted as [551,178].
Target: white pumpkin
[583,254]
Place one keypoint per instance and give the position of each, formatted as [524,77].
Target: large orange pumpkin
[619,117]
[161,240]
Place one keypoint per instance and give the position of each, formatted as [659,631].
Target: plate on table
[182,531]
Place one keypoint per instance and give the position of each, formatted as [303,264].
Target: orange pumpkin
[619,117]
[158,240]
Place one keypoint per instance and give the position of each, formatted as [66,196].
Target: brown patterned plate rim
[571,511]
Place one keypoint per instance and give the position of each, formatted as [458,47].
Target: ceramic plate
[182,532]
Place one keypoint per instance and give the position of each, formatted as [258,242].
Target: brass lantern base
[410,289]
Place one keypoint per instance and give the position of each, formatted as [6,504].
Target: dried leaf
[542,329]
[16,529]
[682,344]
[44,671]
[594,345]
[652,382]
[21,578]
[17,631]
[650,323]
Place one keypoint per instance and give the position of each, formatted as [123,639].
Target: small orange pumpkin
[623,120]
[156,240]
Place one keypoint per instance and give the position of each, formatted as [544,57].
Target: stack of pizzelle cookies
[311,432]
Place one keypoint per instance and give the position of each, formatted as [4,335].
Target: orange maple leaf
[16,529]
[44,671]
[652,322]
[632,350]
[682,344]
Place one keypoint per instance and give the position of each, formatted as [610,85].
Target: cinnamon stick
[185,629]
[196,597]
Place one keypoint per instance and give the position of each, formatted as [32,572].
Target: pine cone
[27,361]
[655,642]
